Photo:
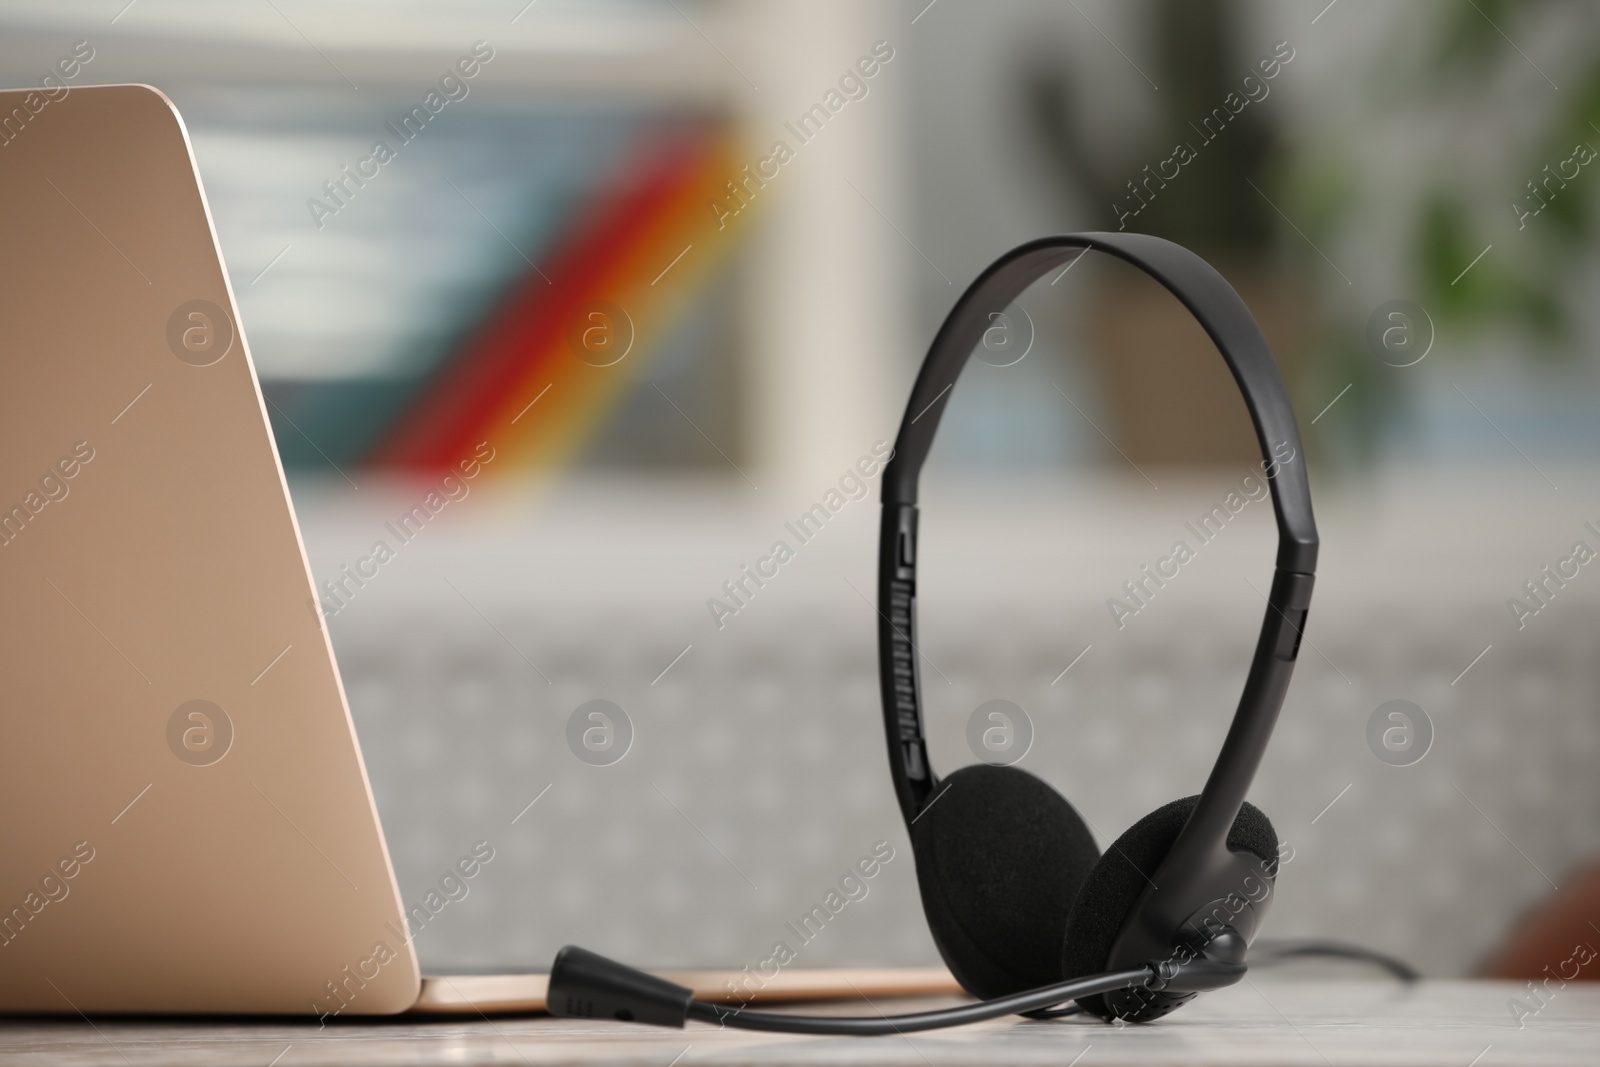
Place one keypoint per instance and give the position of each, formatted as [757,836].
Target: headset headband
[1201,848]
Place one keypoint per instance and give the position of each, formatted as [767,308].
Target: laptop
[189,827]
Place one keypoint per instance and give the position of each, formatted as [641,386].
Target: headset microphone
[1022,906]
[584,985]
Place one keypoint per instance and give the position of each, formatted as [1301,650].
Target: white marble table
[1266,1021]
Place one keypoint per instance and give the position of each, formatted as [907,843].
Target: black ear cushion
[1000,859]
[1111,889]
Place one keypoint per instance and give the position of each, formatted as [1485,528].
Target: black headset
[1024,909]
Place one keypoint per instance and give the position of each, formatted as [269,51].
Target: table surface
[1263,1021]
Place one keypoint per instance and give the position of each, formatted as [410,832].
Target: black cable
[1266,953]
[737,1018]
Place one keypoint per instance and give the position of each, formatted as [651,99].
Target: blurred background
[665,269]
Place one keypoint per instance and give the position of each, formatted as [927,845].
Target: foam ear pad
[1000,858]
[1111,889]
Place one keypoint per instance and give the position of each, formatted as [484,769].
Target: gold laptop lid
[188,824]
